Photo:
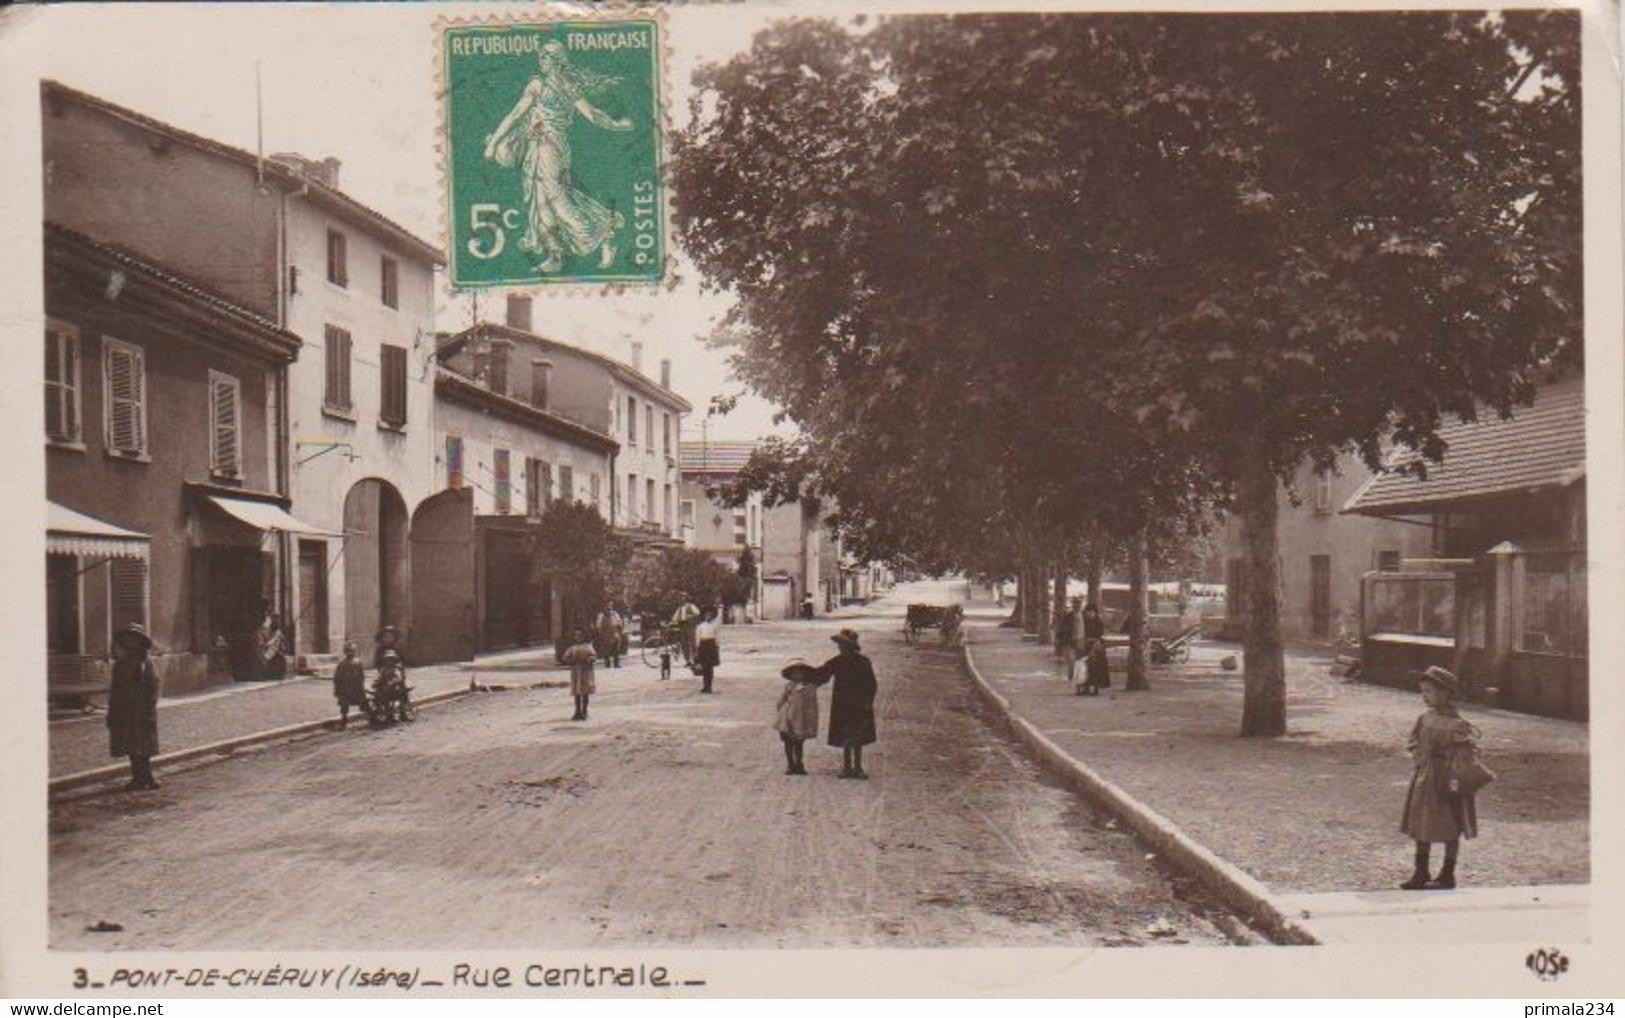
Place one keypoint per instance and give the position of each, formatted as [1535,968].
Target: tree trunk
[1093,577]
[1058,607]
[1014,619]
[1033,607]
[1046,620]
[1263,710]
[1138,567]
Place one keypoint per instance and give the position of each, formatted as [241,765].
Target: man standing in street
[685,618]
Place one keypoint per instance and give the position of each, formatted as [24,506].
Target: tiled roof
[320,194]
[1542,448]
[59,235]
[714,457]
[625,372]
[450,384]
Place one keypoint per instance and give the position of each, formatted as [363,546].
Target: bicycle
[666,639]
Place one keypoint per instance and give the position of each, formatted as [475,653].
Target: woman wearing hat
[851,702]
[132,704]
[1437,808]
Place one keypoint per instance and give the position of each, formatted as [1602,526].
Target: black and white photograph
[812,499]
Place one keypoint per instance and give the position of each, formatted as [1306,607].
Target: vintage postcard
[816,499]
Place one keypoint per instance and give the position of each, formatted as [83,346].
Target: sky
[357,82]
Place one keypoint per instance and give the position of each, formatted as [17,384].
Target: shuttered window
[595,486]
[496,378]
[504,484]
[631,420]
[540,376]
[392,375]
[389,287]
[649,425]
[454,461]
[126,388]
[338,259]
[62,382]
[336,395]
[567,482]
[649,507]
[632,497]
[226,423]
[126,592]
[533,487]
[667,431]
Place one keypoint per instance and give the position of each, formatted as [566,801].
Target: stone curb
[83,779]
[1219,876]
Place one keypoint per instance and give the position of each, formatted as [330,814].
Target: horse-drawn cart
[1174,650]
[921,617]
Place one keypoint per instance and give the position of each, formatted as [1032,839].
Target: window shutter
[227,424]
[338,368]
[127,590]
[454,461]
[567,482]
[392,364]
[53,384]
[533,487]
[126,388]
[504,489]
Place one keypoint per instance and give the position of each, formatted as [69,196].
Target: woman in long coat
[1436,808]
[851,702]
[132,705]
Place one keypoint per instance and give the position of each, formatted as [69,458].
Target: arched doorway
[377,563]
[443,578]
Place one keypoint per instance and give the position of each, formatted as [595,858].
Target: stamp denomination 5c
[552,152]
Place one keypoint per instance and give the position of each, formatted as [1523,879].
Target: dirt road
[665,820]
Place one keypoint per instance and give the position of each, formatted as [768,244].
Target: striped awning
[73,533]
[266,516]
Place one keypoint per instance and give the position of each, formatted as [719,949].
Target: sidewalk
[1313,816]
[236,710]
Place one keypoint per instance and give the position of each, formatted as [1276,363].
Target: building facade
[1504,600]
[1323,556]
[353,441]
[723,532]
[162,435]
[504,444]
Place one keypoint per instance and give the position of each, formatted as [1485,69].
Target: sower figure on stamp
[561,218]
[132,705]
[851,702]
[1439,805]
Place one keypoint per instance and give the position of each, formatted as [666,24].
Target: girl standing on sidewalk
[580,657]
[1439,806]
[132,705]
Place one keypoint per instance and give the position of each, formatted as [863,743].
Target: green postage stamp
[552,146]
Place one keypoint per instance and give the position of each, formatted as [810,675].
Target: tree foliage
[1031,284]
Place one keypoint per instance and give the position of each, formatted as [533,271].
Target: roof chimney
[665,373]
[519,312]
[637,356]
[321,171]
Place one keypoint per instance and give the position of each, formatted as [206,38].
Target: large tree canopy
[1048,273]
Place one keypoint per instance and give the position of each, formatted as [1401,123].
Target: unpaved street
[665,820]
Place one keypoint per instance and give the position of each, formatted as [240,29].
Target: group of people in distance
[1080,634]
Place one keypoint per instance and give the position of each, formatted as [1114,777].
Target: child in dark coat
[132,705]
[350,684]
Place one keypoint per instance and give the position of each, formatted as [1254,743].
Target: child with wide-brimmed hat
[1439,805]
[132,704]
[851,702]
[796,718]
